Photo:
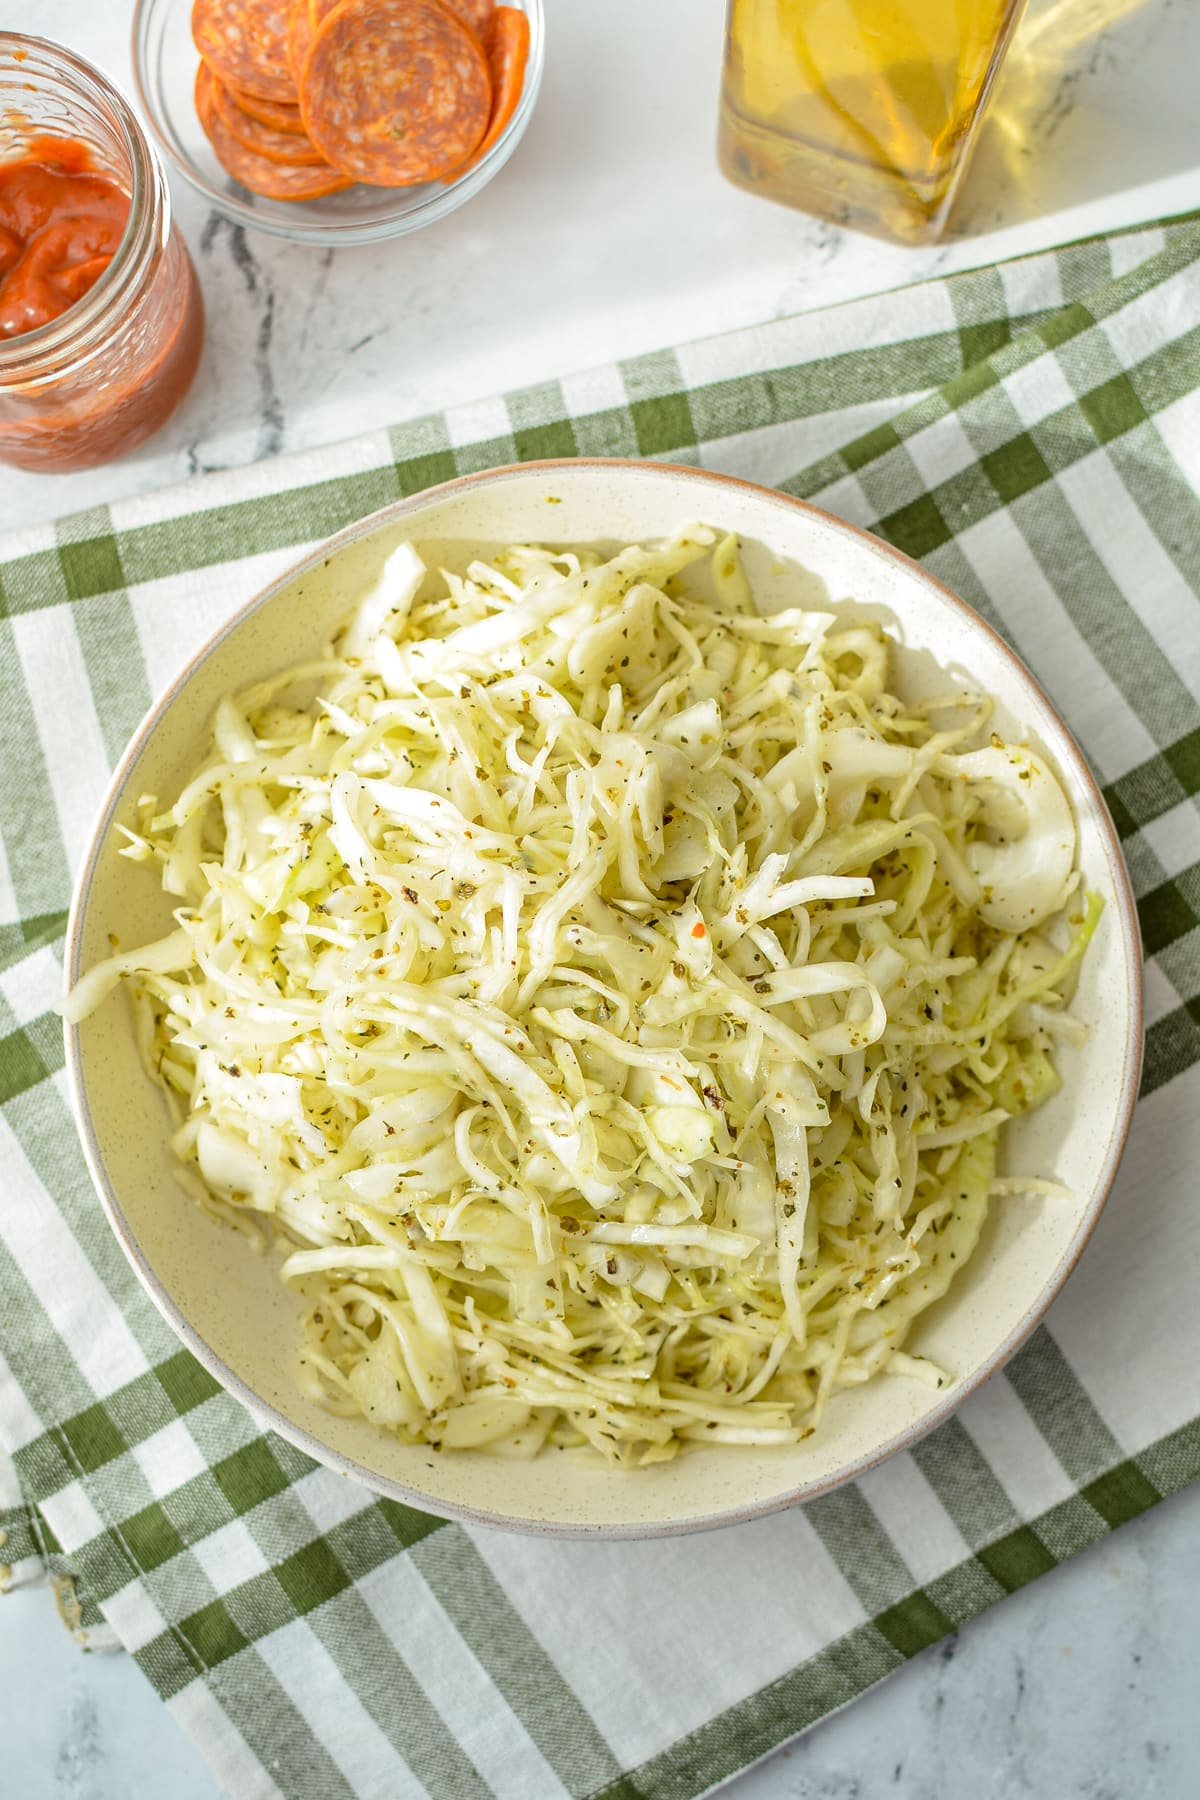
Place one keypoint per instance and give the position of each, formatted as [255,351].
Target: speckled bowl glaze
[228,1306]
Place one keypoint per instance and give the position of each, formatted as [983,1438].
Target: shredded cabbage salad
[609,998]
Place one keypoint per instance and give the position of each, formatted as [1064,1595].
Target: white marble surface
[611,233]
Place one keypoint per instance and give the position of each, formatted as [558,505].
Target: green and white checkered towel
[1032,433]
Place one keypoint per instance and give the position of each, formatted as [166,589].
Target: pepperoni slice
[272,181]
[395,92]
[474,13]
[245,43]
[284,115]
[301,32]
[299,37]
[264,140]
[303,19]
[506,45]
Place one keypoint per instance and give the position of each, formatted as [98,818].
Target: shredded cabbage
[610,999]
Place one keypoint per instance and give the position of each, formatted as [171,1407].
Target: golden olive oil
[862,111]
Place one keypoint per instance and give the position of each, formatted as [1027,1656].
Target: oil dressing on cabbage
[606,998]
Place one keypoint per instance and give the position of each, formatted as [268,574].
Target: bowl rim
[291,224]
[268,1415]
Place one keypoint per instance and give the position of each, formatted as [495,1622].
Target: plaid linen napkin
[1032,433]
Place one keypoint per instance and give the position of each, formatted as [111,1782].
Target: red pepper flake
[698,931]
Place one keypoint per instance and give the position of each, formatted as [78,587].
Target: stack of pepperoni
[301,98]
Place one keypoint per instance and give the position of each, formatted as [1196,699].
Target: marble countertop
[610,234]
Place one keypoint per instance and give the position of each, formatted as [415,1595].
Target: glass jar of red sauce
[85,220]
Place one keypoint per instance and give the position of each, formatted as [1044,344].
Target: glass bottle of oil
[863,111]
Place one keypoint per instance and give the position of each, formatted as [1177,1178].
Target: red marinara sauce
[101,318]
[60,225]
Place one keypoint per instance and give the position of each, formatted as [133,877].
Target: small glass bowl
[164,71]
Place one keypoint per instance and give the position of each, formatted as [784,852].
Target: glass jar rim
[147,226]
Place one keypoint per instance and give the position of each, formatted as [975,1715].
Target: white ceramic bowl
[228,1305]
